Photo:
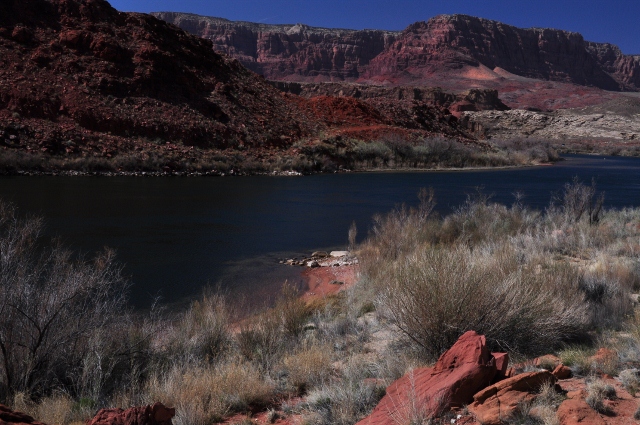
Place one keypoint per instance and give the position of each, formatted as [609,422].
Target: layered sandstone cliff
[289,51]
[466,49]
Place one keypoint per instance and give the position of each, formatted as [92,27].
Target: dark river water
[176,235]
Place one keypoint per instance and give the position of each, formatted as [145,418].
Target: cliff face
[453,42]
[447,46]
[289,51]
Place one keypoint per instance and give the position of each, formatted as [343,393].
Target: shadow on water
[176,235]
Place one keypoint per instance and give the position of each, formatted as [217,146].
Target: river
[176,235]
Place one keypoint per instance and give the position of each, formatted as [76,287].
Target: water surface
[175,235]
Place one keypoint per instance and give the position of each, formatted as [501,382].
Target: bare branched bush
[579,200]
[50,306]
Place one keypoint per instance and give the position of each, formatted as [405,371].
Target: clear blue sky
[613,21]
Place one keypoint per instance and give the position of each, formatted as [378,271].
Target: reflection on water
[175,235]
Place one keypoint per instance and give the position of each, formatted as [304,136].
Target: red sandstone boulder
[157,414]
[460,372]
[8,416]
[502,365]
[562,372]
[495,404]
[577,412]
[548,361]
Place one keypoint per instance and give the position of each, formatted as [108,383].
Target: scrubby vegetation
[528,280]
[321,154]
[531,281]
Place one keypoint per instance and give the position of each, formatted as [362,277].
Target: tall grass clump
[202,332]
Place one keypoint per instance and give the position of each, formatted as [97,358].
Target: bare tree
[579,199]
[50,305]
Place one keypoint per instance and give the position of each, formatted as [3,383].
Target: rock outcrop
[157,414]
[459,43]
[475,99]
[497,403]
[459,373]
[615,120]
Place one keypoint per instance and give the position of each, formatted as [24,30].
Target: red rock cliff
[447,45]
[288,51]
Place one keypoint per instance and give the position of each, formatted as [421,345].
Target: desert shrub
[50,306]
[636,415]
[609,302]
[436,294]
[597,392]
[373,153]
[479,220]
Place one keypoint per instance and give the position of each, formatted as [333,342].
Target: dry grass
[203,395]
[344,401]
[597,392]
[630,379]
[58,409]
[308,367]
[577,358]
[203,331]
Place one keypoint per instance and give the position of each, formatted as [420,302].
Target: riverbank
[308,156]
[325,281]
[275,173]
